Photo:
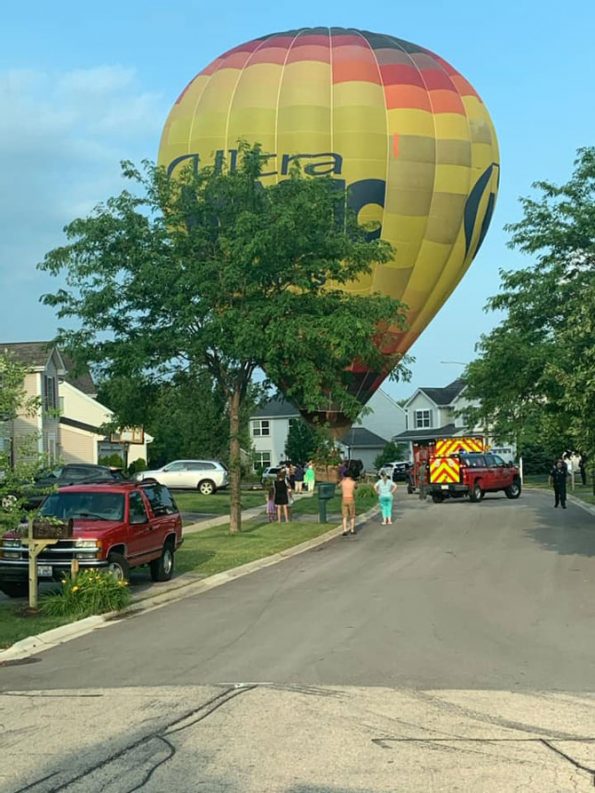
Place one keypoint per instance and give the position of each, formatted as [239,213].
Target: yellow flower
[75,589]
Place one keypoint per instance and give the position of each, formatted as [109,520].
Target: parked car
[472,474]
[270,474]
[398,471]
[70,473]
[115,526]
[206,476]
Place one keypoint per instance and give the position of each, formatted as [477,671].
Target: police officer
[558,476]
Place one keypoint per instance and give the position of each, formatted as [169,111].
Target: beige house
[45,368]
[68,427]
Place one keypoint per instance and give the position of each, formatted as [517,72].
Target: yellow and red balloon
[407,133]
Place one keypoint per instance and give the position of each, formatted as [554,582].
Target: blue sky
[84,85]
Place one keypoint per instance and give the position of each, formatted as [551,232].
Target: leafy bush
[136,466]
[90,592]
[115,460]
[365,494]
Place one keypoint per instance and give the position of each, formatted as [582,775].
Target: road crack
[161,736]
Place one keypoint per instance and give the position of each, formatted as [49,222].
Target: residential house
[40,432]
[434,413]
[269,428]
[68,424]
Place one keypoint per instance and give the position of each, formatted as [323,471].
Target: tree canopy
[212,270]
[535,373]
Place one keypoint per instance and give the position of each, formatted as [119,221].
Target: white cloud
[62,136]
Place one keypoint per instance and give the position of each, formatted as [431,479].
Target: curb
[182,589]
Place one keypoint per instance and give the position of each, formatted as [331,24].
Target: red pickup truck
[116,526]
[471,474]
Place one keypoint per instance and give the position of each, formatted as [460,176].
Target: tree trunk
[235,513]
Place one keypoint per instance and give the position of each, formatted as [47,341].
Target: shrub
[136,466]
[365,494]
[114,460]
[90,592]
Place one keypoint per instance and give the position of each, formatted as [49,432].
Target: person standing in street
[347,486]
[385,488]
[558,476]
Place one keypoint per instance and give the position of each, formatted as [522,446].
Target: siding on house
[79,407]
[386,419]
[78,446]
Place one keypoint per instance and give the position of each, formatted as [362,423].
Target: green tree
[534,373]
[18,466]
[391,452]
[212,270]
[301,441]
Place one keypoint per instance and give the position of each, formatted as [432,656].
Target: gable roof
[442,396]
[361,438]
[276,408]
[82,380]
[33,354]
[448,431]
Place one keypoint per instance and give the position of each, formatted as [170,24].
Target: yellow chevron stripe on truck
[445,470]
[446,446]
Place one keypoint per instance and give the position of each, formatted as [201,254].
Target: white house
[269,428]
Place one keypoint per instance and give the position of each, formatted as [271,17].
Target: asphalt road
[453,650]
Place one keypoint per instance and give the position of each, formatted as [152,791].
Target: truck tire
[476,493]
[15,589]
[162,568]
[118,566]
[513,490]
[437,498]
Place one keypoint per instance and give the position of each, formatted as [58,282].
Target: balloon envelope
[407,133]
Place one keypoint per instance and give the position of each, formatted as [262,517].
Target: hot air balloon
[407,133]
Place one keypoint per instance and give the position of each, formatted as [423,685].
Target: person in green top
[309,477]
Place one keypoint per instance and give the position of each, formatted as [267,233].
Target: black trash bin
[326,491]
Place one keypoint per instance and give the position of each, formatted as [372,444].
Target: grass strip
[215,550]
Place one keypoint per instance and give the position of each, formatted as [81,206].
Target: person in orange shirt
[348,485]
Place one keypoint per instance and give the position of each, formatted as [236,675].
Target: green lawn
[215,550]
[14,626]
[217,504]
[584,492]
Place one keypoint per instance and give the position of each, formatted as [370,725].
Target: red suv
[474,475]
[116,526]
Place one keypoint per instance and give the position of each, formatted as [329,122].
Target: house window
[423,419]
[262,460]
[260,428]
[50,393]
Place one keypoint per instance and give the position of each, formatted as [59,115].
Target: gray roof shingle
[29,353]
[360,437]
[448,431]
[276,408]
[446,395]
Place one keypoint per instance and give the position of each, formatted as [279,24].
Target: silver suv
[206,476]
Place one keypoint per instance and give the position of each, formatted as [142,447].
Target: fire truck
[424,452]
[457,467]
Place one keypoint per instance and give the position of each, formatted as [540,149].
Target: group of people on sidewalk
[290,479]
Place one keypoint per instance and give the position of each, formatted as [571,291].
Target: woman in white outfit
[385,488]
